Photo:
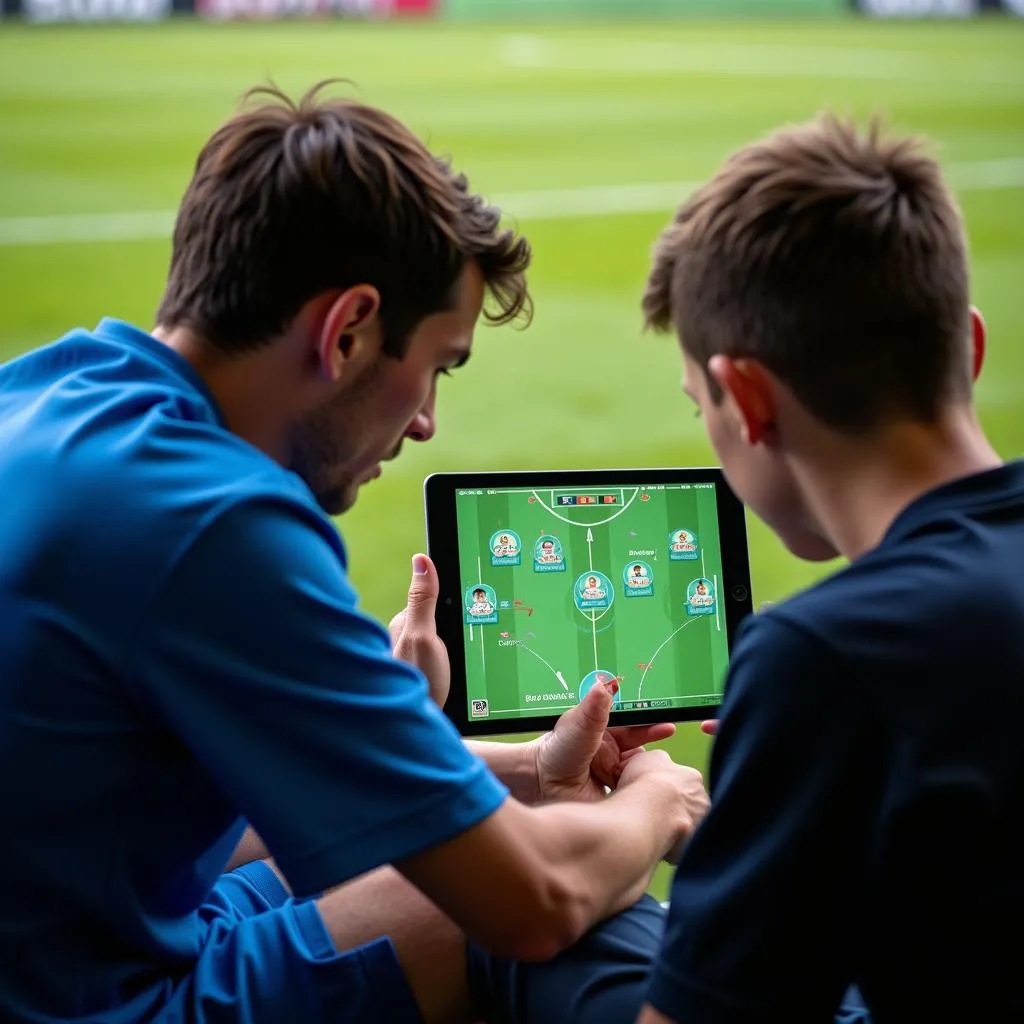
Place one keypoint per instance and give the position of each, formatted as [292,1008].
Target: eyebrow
[462,358]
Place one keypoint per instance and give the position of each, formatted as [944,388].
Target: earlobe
[978,340]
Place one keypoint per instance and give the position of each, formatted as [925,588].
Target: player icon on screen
[638,580]
[683,546]
[481,605]
[593,590]
[547,554]
[506,548]
[700,597]
[600,677]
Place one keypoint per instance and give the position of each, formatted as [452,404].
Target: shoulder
[123,465]
[785,669]
[154,450]
[259,542]
[896,602]
[181,487]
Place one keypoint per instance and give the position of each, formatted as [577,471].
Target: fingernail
[419,565]
[612,687]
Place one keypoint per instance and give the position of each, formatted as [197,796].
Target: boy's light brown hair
[291,199]
[838,260]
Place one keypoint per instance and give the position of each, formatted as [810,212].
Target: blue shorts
[603,979]
[268,958]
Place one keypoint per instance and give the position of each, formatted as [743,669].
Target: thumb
[586,723]
[419,613]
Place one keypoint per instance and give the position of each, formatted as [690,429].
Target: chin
[810,547]
[336,500]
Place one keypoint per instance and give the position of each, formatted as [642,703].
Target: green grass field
[589,134]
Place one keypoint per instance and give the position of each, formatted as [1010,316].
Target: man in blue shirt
[864,829]
[186,680]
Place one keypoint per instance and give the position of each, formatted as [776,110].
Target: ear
[978,339]
[747,383]
[349,331]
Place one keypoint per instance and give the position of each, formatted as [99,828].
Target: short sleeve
[762,924]
[255,654]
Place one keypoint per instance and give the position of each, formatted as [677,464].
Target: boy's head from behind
[819,286]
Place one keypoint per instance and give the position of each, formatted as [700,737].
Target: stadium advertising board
[271,9]
[48,11]
[936,8]
[540,9]
[95,10]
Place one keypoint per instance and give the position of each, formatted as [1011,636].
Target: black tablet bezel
[439,491]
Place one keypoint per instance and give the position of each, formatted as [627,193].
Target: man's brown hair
[289,200]
[837,259]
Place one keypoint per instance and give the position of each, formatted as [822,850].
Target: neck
[855,489]
[248,388]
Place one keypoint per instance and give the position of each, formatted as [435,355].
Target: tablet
[552,582]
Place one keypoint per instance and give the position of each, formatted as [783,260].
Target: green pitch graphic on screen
[567,588]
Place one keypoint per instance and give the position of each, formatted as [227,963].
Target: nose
[424,423]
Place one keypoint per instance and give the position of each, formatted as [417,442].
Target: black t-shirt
[867,786]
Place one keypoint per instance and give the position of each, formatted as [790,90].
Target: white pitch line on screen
[483,639]
[571,522]
[542,204]
[593,614]
[534,710]
[530,650]
[515,490]
[650,661]
[567,490]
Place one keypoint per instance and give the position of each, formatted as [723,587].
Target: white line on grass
[542,204]
[751,60]
[86,227]
[734,59]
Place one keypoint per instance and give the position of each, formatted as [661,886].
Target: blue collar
[124,333]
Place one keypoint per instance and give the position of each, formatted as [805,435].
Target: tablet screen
[566,588]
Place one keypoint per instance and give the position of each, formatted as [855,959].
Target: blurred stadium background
[588,120]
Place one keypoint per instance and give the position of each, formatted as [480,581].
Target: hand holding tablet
[554,582]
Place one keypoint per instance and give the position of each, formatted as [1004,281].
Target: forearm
[608,849]
[528,881]
[515,764]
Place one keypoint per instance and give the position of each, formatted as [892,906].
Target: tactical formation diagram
[564,589]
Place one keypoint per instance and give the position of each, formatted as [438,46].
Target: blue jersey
[181,652]
[867,788]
